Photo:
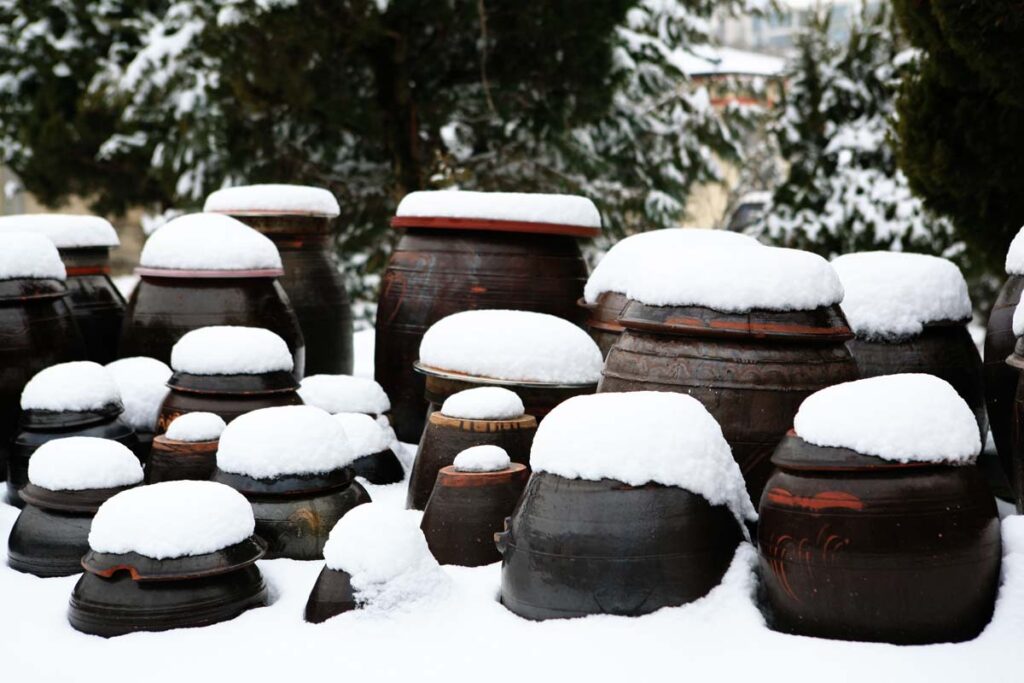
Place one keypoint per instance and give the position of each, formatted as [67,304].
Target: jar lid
[33,418]
[26,289]
[826,324]
[208,274]
[491,381]
[287,484]
[793,453]
[455,478]
[83,500]
[143,568]
[276,382]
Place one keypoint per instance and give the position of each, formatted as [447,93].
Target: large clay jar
[604,545]
[124,592]
[470,501]
[84,243]
[207,269]
[69,480]
[36,328]
[299,221]
[256,374]
[604,298]
[47,415]
[483,416]
[187,450]
[470,250]
[293,465]
[916,543]
[1000,379]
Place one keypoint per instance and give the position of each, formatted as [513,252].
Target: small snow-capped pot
[188,450]
[469,506]
[373,443]
[132,588]
[257,374]
[299,220]
[94,409]
[51,534]
[293,464]
[609,510]
[446,436]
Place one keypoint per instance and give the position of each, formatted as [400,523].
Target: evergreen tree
[843,190]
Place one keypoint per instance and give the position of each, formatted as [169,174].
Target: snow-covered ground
[465,634]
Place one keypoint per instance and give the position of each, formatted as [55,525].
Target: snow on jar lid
[195,427]
[365,435]
[641,437]
[142,383]
[518,346]
[557,214]
[231,350]
[738,280]
[273,198]
[627,259]
[24,255]
[71,387]
[284,441]
[1015,255]
[484,403]
[902,418]
[78,463]
[484,458]
[172,519]
[209,245]
[66,231]
[344,394]
[892,295]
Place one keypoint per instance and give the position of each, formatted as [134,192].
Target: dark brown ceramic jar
[168,303]
[1001,380]
[96,304]
[466,509]
[170,460]
[36,331]
[576,547]
[124,593]
[917,544]
[51,535]
[751,371]
[226,395]
[332,595]
[447,265]
[445,437]
[603,319]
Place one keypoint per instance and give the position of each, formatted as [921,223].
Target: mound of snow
[641,437]
[527,207]
[83,462]
[273,198]
[344,394]
[286,440]
[627,260]
[66,231]
[889,295]
[738,280]
[172,519]
[512,345]
[231,350]
[142,383]
[905,418]
[78,385]
[385,553]
[25,255]
[485,458]
[209,241]
[195,427]
[1015,255]
[484,403]
[365,435]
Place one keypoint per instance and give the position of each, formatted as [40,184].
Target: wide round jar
[918,545]
[199,271]
[470,250]
[299,220]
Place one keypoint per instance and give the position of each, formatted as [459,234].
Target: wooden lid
[453,478]
[491,225]
[470,425]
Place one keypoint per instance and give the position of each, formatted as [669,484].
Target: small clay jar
[51,534]
[445,437]
[171,459]
[466,510]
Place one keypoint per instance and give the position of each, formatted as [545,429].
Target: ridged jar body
[315,286]
[882,552]
[433,273]
[1001,380]
[96,304]
[162,309]
[576,547]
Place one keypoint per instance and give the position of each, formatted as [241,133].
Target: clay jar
[187,451]
[483,252]
[917,543]
[299,220]
[1001,380]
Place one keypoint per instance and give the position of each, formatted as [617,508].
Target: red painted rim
[489,225]
[193,274]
